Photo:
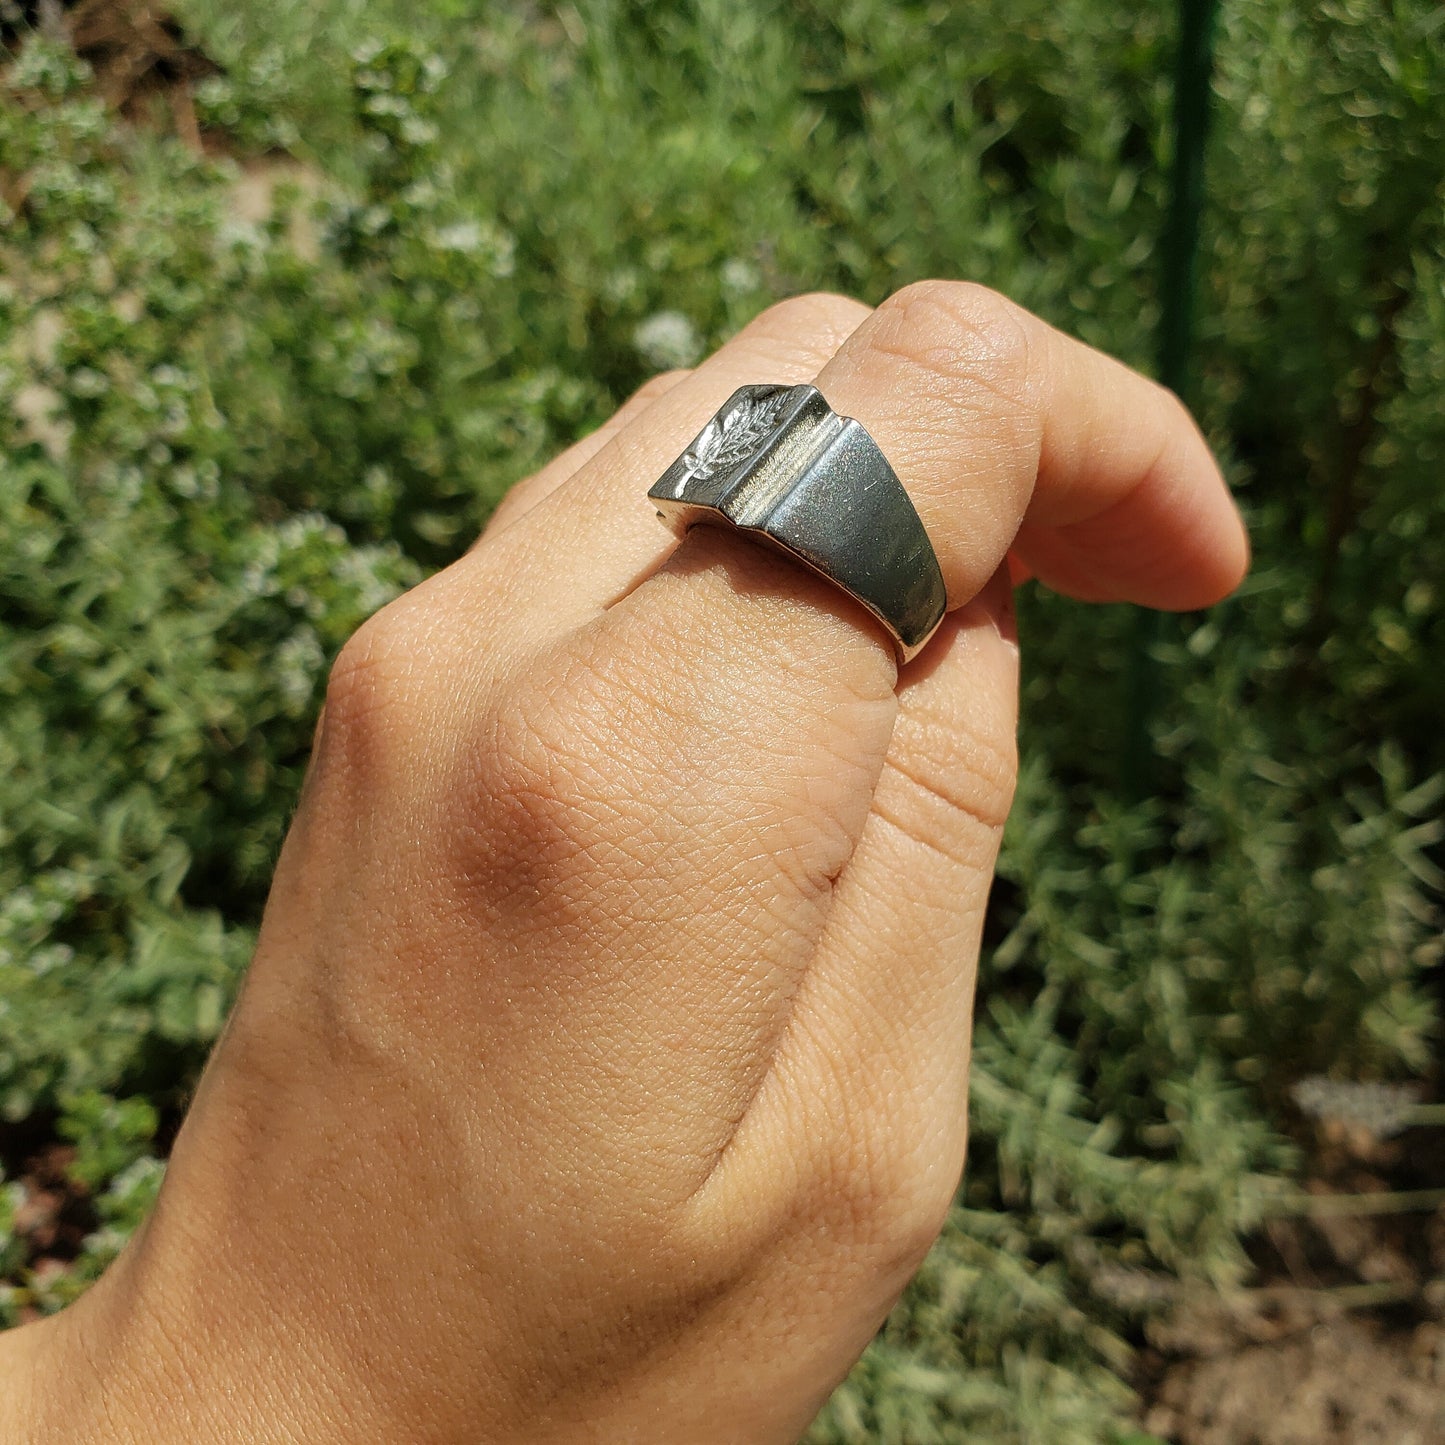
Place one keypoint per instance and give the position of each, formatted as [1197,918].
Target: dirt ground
[1340,1337]
[1350,1381]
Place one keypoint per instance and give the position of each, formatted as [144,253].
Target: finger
[535,575]
[525,494]
[589,541]
[862,1116]
[1001,428]
[1005,428]
[877,1041]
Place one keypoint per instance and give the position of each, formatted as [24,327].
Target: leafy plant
[225,440]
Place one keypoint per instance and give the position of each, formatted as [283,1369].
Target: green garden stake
[1193,64]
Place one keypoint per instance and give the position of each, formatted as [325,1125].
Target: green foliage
[113,1159]
[12,1246]
[115,1162]
[225,441]
[109,1135]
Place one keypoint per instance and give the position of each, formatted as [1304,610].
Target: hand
[601,1073]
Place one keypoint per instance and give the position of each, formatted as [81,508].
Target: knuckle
[890,1202]
[674,1271]
[979,307]
[904,1233]
[371,682]
[964,331]
[552,783]
[947,769]
[812,326]
[726,1228]
[880,1195]
[521,771]
[663,382]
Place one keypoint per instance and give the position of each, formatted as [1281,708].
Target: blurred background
[290,292]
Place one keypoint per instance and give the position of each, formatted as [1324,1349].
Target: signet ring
[779,465]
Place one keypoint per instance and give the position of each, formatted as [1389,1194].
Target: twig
[1331,1206]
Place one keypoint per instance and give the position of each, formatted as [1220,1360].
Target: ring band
[780,465]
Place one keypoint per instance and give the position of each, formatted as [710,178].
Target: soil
[1350,1381]
[1341,1338]
[144,64]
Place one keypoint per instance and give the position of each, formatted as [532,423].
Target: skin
[601,1074]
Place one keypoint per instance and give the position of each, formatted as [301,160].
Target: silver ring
[778,464]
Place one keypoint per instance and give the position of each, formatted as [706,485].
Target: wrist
[109,1370]
[53,1393]
[67,1378]
[28,1358]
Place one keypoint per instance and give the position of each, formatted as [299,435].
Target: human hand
[601,1072]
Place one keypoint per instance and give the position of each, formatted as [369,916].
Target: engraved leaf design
[727,441]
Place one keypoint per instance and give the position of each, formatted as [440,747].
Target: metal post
[1193,65]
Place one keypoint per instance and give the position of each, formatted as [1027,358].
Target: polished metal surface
[780,465]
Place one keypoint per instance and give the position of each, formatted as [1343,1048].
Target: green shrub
[223,443]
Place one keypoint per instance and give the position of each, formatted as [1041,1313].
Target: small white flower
[87,381]
[460,236]
[667,339]
[298,663]
[739,277]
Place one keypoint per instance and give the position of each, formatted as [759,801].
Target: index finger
[1006,429]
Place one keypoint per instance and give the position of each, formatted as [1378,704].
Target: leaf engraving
[728,441]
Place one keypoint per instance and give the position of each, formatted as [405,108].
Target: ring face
[778,463]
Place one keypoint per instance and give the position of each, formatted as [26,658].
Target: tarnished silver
[780,465]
